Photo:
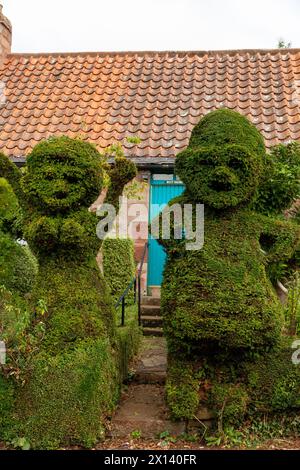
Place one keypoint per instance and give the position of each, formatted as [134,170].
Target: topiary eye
[48,177]
[72,179]
[236,164]
[207,163]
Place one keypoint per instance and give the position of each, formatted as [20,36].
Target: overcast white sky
[115,25]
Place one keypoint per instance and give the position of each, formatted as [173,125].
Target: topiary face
[224,160]
[219,176]
[62,175]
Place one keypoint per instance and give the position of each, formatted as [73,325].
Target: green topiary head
[10,171]
[223,163]
[63,174]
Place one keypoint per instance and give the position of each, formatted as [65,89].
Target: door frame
[174,181]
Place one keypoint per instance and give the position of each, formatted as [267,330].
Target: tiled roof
[158,96]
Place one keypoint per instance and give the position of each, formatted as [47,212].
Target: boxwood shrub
[118,265]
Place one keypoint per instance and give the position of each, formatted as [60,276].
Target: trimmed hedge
[11,172]
[69,395]
[18,266]
[8,203]
[120,174]
[128,339]
[118,265]
[73,392]
[62,174]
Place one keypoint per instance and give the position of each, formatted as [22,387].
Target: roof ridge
[174,52]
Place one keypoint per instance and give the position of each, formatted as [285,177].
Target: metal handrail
[136,284]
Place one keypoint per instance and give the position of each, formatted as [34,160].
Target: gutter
[152,164]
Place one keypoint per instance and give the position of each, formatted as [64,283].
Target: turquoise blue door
[163,188]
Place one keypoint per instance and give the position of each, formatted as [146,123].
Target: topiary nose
[223,179]
[60,189]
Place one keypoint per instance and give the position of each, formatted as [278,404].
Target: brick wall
[139,243]
[136,219]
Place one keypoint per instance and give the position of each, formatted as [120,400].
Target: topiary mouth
[61,195]
[220,186]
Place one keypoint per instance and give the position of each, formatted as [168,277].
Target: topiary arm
[120,174]
[78,235]
[42,233]
[174,243]
[280,185]
[279,240]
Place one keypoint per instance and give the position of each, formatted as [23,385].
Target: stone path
[142,408]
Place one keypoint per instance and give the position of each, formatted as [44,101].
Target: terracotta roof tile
[158,96]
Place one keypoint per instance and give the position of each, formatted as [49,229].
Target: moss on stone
[229,403]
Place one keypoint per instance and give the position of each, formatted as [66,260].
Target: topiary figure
[63,178]
[218,302]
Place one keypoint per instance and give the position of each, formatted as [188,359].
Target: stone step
[151,366]
[148,300]
[146,428]
[151,320]
[151,310]
[151,371]
[147,377]
[143,410]
[153,331]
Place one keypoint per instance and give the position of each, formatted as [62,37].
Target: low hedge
[18,266]
[118,265]
[128,340]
